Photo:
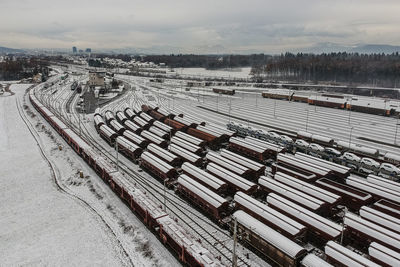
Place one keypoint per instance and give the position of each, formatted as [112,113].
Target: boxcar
[177,126]
[186,155]
[160,133]
[128,148]
[381,218]
[146,108]
[210,202]
[152,138]
[109,116]
[388,207]
[230,165]
[165,155]
[133,127]
[141,122]
[163,127]
[383,255]
[108,134]
[157,115]
[257,168]
[208,180]
[117,127]
[140,141]
[343,257]
[251,150]
[312,260]
[267,241]
[147,118]
[377,191]
[157,167]
[225,91]
[187,145]
[98,121]
[186,122]
[121,118]
[191,139]
[212,140]
[129,113]
[384,182]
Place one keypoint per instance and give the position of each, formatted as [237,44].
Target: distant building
[96,78]
[80,51]
[88,50]
[74,50]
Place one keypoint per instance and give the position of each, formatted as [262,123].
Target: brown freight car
[175,125]
[211,140]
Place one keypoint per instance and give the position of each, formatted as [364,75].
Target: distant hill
[358,48]
[375,48]
[6,50]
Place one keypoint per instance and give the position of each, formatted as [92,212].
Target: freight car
[191,139]
[108,134]
[269,185]
[230,165]
[117,127]
[275,95]
[319,139]
[257,168]
[343,257]
[221,137]
[109,116]
[138,140]
[128,148]
[210,202]
[380,218]
[377,191]
[353,198]
[177,126]
[165,155]
[211,140]
[141,122]
[155,139]
[186,122]
[166,113]
[129,113]
[121,118]
[265,214]
[383,182]
[160,133]
[388,207]
[129,125]
[164,127]
[383,255]
[98,121]
[328,197]
[362,232]
[327,102]
[357,149]
[272,148]
[267,241]
[261,154]
[158,167]
[312,260]
[146,108]
[193,119]
[187,145]
[234,181]
[210,181]
[319,229]
[147,118]
[186,155]
[370,109]
[157,115]
[225,91]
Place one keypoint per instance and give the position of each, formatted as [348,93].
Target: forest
[20,68]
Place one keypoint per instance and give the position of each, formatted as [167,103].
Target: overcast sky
[271,26]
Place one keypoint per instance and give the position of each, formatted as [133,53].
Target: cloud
[262,25]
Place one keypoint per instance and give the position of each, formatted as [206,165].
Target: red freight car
[138,140]
[187,145]
[157,166]
[191,139]
[165,155]
[186,155]
[383,255]
[230,165]
[212,140]
[121,118]
[341,256]
[128,148]
[388,207]
[157,115]
[129,113]
[108,134]
[177,126]
[109,116]
[117,127]
[257,168]
[133,127]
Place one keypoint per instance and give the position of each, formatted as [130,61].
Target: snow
[380,218]
[187,137]
[383,254]
[374,189]
[230,177]
[272,237]
[205,177]
[292,160]
[251,164]
[343,170]
[226,163]
[346,256]
[383,182]
[193,158]
[156,162]
[312,260]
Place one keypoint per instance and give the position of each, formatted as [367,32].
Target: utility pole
[234,256]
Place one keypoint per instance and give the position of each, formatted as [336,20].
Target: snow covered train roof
[384,254]
[107,131]
[141,122]
[230,177]
[132,125]
[127,144]
[324,163]
[315,137]
[98,119]
[345,189]
[275,217]
[308,188]
[312,260]
[157,131]
[184,153]
[187,137]
[346,256]
[209,131]
[202,175]
[251,164]
[162,126]
[152,137]
[302,164]
[243,143]
[203,192]
[332,229]
[185,144]
[226,163]
[156,162]
[134,137]
[130,112]
[380,218]
[146,117]
[291,193]
[163,153]
[279,241]
[263,144]
[358,148]
[373,189]
[116,125]
[384,182]
[380,233]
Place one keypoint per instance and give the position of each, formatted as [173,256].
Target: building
[88,50]
[96,78]
[74,50]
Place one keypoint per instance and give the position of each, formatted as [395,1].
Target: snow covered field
[63,220]
[202,72]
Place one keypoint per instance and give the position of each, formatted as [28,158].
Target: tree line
[20,68]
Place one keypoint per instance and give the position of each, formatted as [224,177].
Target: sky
[227,26]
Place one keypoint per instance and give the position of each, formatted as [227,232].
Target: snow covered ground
[61,220]
[202,72]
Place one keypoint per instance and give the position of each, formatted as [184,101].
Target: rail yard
[239,176]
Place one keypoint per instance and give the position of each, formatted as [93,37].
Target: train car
[275,149]
[257,168]
[377,191]
[177,126]
[141,122]
[164,127]
[117,127]
[77,143]
[312,260]
[342,257]
[128,148]
[380,218]
[129,113]
[193,119]
[108,134]
[269,185]
[166,113]
[327,102]
[191,139]
[251,150]
[392,158]
[384,182]
[387,207]
[319,139]
[363,232]
[98,121]
[129,125]
[155,139]
[109,116]
[319,229]
[299,168]
[278,96]
[234,181]
[157,131]
[225,91]
[146,108]
[328,197]
[121,118]
[357,149]
[353,198]
[210,181]
[339,172]
[157,115]
[97,111]
[210,202]
[211,140]
[147,118]
[280,249]
[225,133]
[281,223]
[137,139]
[221,137]
[153,107]
[230,165]
[370,109]
[165,155]
[298,98]
[186,155]
[187,145]
[383,255]
[189,251]
[186,122]
[158,167]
